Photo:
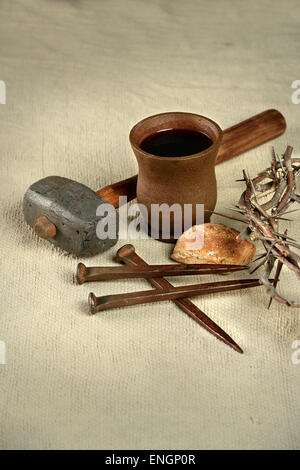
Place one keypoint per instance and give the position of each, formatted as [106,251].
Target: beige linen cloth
[79,74]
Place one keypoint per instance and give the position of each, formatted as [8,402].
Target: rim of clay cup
[203,153]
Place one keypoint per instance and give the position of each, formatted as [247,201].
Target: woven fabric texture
[79,74]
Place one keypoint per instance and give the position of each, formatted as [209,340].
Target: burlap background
[79,74]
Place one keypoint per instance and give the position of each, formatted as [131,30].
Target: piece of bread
[220,246]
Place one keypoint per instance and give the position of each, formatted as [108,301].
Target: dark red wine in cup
[175,143]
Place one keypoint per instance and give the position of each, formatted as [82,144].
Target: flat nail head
[80,273]
[92,303]
[125,251]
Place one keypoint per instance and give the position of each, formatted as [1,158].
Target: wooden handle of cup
[236,140]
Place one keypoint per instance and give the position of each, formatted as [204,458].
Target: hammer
[63,211]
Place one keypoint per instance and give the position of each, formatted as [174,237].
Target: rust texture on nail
[127,255]
[81,273]
[107,273]
[158,295]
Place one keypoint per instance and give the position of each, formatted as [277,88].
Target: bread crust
[220,247]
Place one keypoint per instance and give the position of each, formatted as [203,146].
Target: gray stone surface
[72,207]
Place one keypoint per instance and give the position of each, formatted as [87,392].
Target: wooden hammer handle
[236,140]
[250,133]
[112,192]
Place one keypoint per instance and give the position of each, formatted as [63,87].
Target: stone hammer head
[65,212]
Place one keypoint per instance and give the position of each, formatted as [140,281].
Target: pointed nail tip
[229,342]
[234,346]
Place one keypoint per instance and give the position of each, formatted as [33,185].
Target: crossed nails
[136,267]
